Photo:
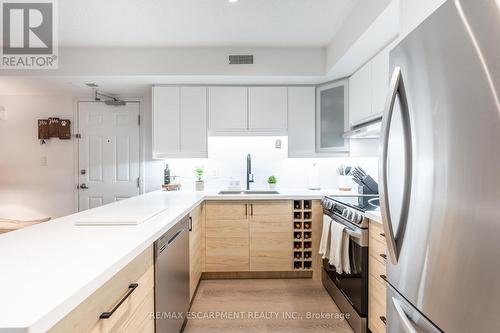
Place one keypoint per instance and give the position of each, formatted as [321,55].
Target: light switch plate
[3,113]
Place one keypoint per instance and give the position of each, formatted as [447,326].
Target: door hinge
[138,182]
[139,120]
[78,136]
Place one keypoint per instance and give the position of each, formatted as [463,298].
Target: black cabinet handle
[384,277]
[131,288]
[384,320]
[190,223]
[382,234]
[383,256]
[251,209]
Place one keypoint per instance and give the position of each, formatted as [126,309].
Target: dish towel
[324,244]
[346,263]
[336,249]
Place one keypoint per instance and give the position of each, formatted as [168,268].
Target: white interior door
[108,153]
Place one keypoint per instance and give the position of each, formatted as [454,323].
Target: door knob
[83,186]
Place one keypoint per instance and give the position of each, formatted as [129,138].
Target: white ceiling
[210,23]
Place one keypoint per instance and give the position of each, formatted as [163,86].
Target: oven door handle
[353,233]
[360,236]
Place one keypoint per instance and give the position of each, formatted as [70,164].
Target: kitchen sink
[249,192]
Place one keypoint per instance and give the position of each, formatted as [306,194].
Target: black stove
[363,203]
[350,208]
[350,290]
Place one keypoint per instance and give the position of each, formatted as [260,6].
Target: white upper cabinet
[267,108]
[179,122]
[360,94]
[193,122]
[331,118]
[228,108]
[368,88]
[243,110]
[380,81]
[166,117]
[301,121]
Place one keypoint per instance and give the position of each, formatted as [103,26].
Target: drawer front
[376,269]
[376,306]
[133,313]
[377,250]
[376,231]
[230,210]
[226,254]
[270,208]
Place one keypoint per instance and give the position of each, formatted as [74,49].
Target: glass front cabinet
[332,112]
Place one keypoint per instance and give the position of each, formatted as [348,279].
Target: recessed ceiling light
[232,1]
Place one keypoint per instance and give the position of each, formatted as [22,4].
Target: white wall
[360,19]
[412,13]
[227,158]
[94,61]
[28,189]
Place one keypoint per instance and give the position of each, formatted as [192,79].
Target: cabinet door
[133,315]
[331,118]
[360,95]
[193,121]
[301,121]
[271,241]
[380,81]
[267,108]
[227,108]
[226,237]
[166,118]
[195,250]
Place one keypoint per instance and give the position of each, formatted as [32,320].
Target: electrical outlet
[278,144]
[43,161]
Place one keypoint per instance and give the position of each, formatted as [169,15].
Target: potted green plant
[200,183]
[272,182]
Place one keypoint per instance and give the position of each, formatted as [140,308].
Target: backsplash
[227,159]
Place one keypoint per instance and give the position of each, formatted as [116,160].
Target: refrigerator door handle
[406,323]
[396,88]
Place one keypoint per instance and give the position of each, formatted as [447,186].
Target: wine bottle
[166,175]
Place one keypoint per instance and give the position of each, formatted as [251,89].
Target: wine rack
[302,235]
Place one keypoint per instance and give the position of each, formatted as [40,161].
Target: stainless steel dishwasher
[172,278]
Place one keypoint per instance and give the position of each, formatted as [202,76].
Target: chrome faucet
[249,171]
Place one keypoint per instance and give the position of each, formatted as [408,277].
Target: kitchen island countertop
[50,268]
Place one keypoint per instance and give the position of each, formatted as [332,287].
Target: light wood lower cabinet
[195,249]
[226,237]
[248,236]
[133,315]
[271,241]
[376,283]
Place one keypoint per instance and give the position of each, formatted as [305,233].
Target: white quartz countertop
[48,269]
[374,215]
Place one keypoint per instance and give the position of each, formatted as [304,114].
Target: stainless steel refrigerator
[440,173]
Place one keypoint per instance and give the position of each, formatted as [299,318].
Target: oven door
[354,286]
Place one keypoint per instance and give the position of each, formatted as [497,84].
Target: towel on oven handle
[324,245]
